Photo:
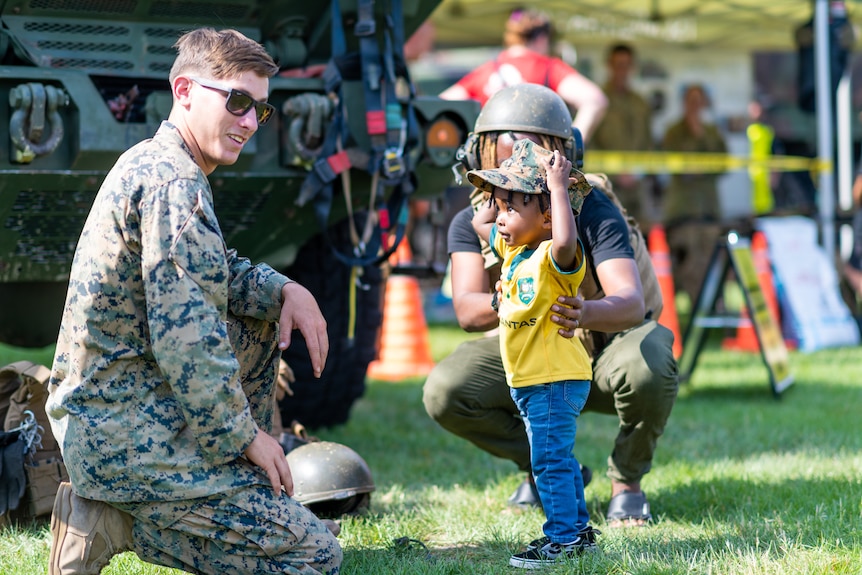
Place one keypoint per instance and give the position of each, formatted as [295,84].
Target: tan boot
[86,534]
[333,527]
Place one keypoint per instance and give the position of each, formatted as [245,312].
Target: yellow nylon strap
[351,320]
[611,162]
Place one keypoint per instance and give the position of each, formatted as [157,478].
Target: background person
[529,220]
[853,266]
[762,146]
[634,371]
[627,127]
[161,392]
[525,59]
[691,208]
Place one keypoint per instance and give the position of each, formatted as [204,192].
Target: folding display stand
[734,251]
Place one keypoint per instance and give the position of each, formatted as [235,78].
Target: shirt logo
[526,290]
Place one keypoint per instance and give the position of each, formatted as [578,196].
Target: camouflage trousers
[248,530]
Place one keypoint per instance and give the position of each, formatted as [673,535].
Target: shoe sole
[528,564]
[523,563]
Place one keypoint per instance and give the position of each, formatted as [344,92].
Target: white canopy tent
[714,24]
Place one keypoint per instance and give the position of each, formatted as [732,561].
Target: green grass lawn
[743,483]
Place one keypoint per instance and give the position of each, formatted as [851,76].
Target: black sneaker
[542,552]
[586,474]
[537,543]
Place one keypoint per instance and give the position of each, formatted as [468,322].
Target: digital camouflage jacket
[145,397]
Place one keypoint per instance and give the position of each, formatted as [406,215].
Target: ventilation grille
[221,11]
[204,10]
[99,6]
[238,212]
[48,224]
[118,37]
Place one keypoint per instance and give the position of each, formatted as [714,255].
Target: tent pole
[846,161]
[844,138]
[825,153]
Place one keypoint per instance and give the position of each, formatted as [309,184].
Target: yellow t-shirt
[533,352]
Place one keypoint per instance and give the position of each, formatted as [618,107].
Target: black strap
[390,122]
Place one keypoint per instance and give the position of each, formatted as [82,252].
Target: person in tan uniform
[691,208]
[627,127]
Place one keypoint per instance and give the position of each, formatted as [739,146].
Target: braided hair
[488,155]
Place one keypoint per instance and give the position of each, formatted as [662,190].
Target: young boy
[530,223]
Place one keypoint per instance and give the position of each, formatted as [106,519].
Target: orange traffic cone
[660,256]
[746,337]
[405,350]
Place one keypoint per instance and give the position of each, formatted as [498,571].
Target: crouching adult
[634,371]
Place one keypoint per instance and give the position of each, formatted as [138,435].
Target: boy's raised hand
[557,170]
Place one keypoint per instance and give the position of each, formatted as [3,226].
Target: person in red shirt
[525,59]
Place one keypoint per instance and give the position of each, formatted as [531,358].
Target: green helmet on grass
[330,479]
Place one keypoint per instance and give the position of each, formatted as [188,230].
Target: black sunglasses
[238,103]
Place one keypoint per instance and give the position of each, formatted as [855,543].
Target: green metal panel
[96,53]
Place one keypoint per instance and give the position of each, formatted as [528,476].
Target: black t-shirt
[601,227]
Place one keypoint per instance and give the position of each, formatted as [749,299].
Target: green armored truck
[319,193]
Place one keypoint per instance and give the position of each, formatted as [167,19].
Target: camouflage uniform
[627,127]
[164,372]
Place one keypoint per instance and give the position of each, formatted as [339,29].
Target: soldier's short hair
[220,54]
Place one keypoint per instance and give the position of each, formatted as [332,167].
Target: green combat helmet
[330,479]
[529,108]
[525,108]
[523,172]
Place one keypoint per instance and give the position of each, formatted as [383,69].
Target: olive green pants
[634,378]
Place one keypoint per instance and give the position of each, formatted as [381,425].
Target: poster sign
[735,253]
[808,285]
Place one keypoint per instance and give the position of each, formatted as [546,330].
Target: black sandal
[629,508]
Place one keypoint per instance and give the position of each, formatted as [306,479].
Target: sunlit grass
[743,482]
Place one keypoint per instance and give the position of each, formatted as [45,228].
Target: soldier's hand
[567,314]
[267,453]
[300,311]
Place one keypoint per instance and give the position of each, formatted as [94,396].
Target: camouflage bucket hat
[523,172]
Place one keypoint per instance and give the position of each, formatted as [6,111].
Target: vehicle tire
[326,402]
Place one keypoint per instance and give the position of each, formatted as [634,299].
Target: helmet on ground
[330,479]
[526,108]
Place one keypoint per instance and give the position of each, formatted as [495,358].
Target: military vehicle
[319,192]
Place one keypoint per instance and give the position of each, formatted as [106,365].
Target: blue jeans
[550,414]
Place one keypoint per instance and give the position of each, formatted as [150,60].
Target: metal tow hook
[27,125]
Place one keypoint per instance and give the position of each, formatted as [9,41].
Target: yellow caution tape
[611,162]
